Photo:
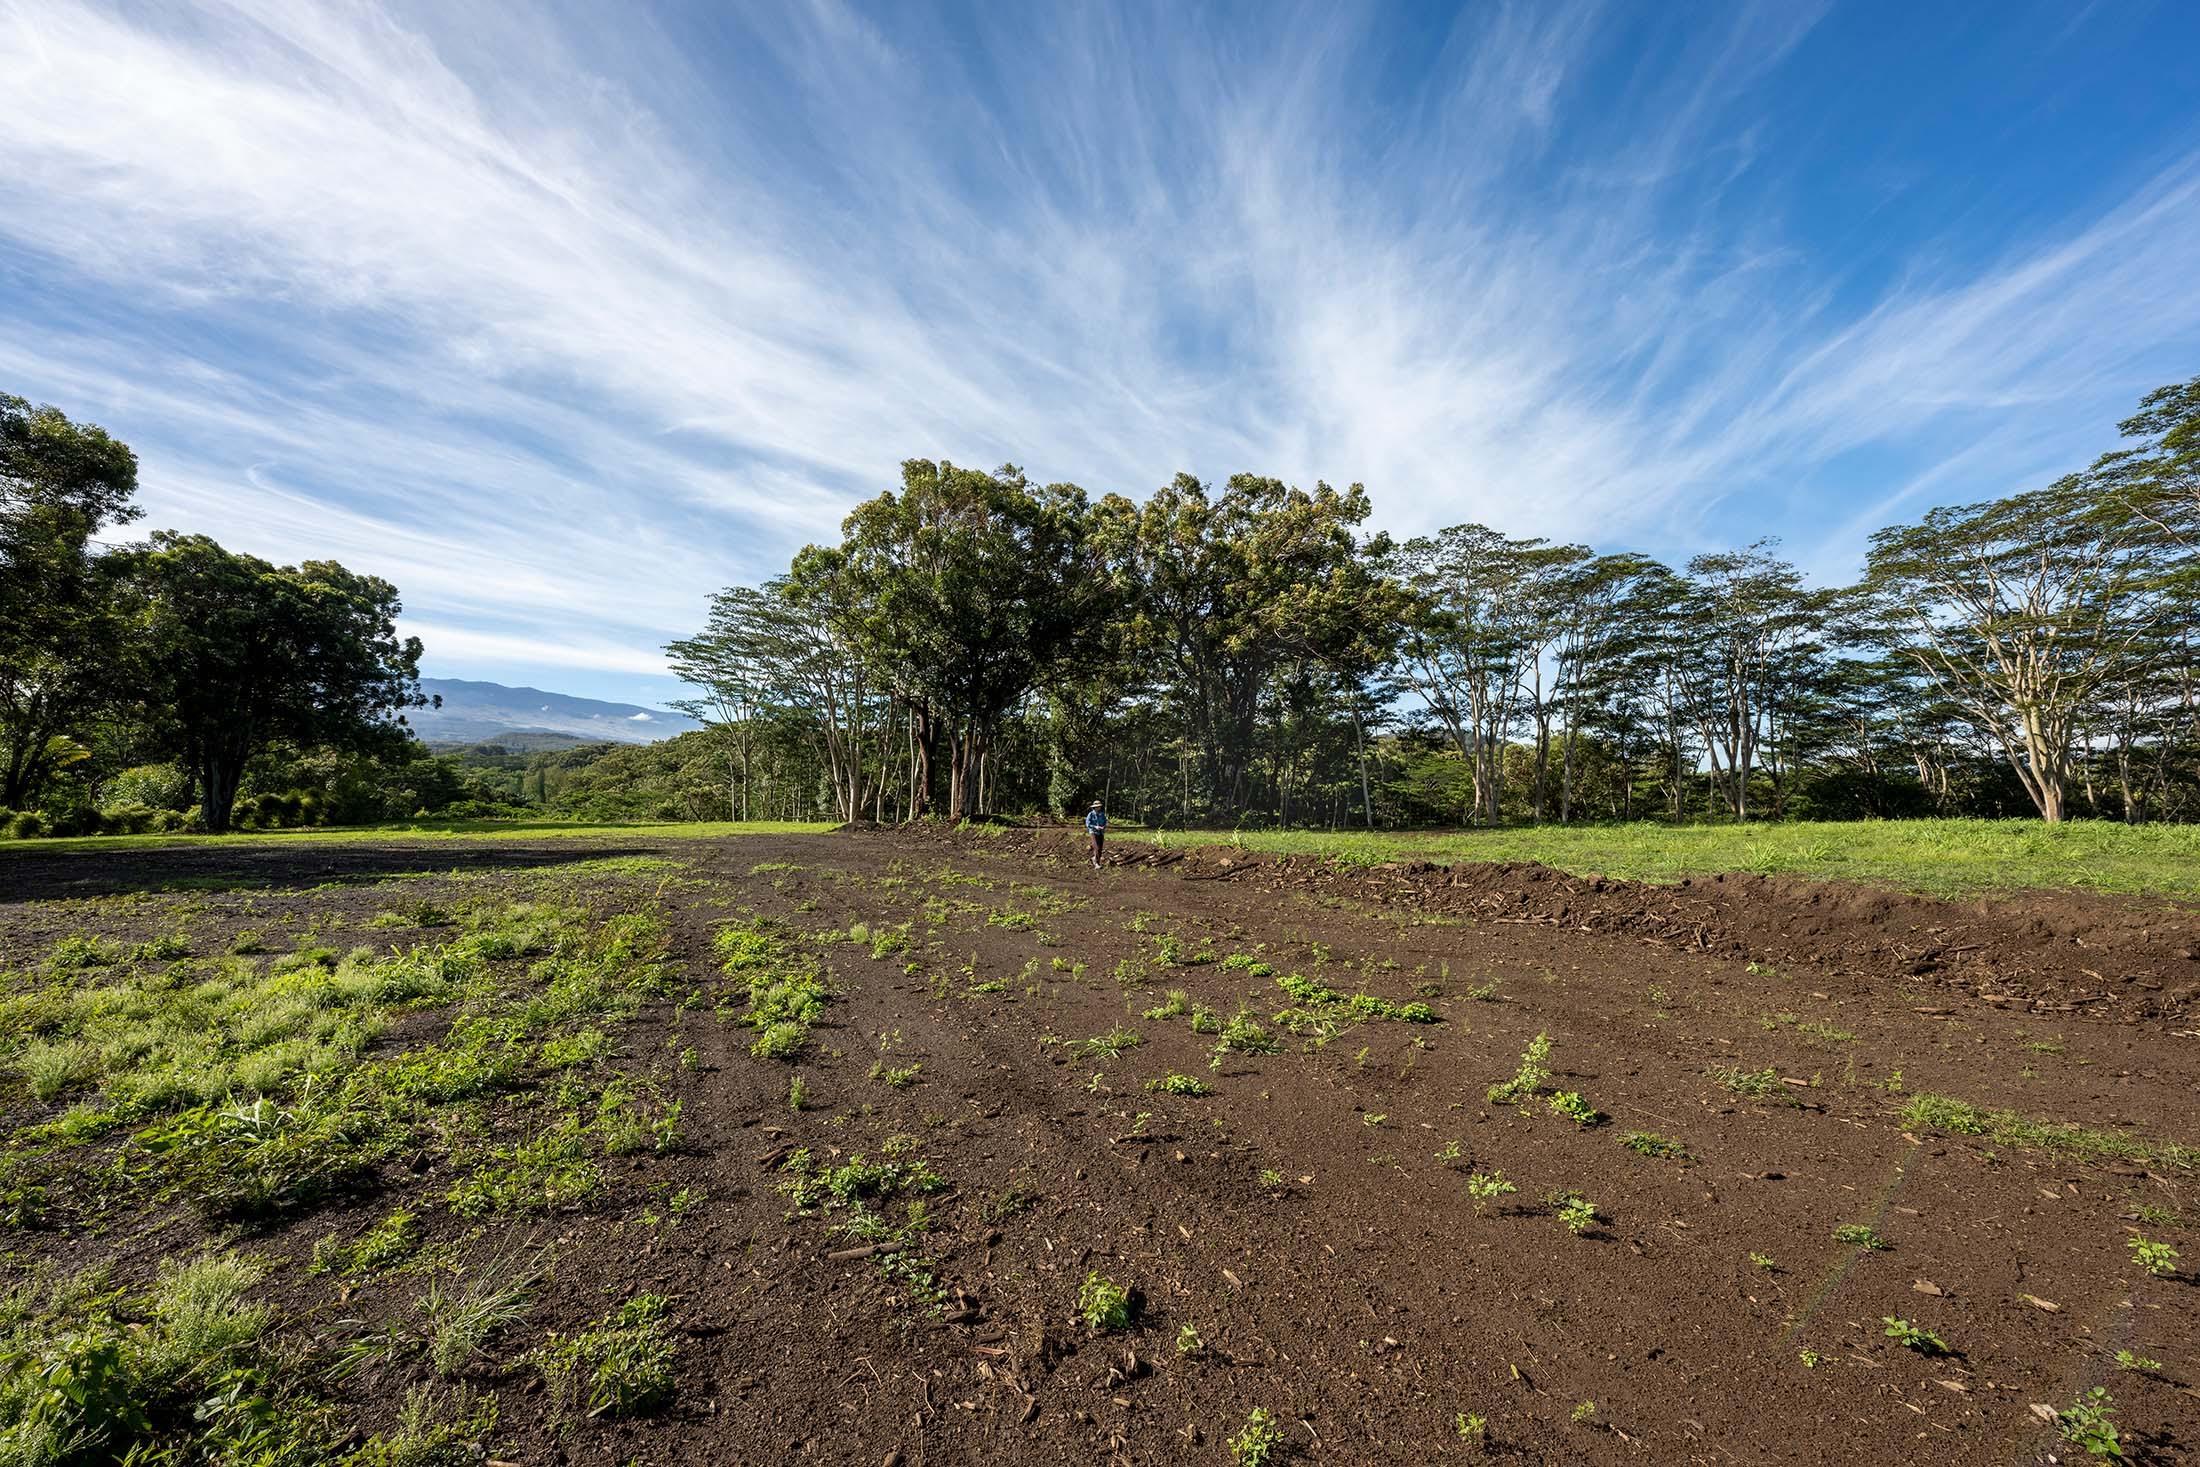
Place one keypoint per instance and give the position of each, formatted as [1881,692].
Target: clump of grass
[77,952]
[435,1428]
[462,1320]
[620,1367]
[388,1243]
[1102,1304]
[2007,1128]
[1241,1035]
[1746,1082]
[54,1068]
[1109,1045]
[1533,1072]
[574,1050]
[1651,1144]
[1175,1005]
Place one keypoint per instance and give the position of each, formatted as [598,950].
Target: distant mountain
[474,713]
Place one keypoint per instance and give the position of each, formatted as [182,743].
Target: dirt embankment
[2038,951]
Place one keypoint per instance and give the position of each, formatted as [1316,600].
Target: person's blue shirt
[1096,820]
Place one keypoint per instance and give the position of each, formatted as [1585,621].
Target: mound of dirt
[2039,951]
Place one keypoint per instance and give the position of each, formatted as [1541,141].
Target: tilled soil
[1309,1221]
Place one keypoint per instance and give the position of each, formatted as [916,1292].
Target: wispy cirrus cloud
[562,319]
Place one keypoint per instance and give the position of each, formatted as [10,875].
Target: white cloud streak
[563,325]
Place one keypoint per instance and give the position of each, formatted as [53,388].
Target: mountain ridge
[475,711]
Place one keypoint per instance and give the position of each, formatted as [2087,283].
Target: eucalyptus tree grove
[1246,653]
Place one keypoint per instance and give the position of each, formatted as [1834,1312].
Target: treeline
[174,684]
[977,643]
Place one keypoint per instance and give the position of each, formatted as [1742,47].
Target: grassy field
[426,830]
[1936,857]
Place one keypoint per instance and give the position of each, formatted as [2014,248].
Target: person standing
[1096,826]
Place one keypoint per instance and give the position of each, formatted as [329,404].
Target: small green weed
[1103,1305]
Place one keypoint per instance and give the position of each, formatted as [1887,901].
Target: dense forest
[1234,655]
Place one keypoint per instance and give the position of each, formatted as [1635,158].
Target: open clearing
[837,1148]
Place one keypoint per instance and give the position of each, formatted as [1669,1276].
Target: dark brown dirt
[1361,1298]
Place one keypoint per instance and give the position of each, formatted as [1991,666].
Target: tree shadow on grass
[297,866]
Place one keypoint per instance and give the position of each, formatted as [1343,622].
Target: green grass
[416,832]
[1933,857]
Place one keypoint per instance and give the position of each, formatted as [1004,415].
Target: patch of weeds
[1575,1211]
[2007,1128]
[1810,1358]
[1007,1203]
[2153,1255]
[1471,1427]
[1569,1103]
[1487,1187]
[574,1050]
[1913,1337]
[1103,1305]
[1651,1144]
[388,1243]
[555,1168]
[1765,1262]
[900,1078]
[1451,1155]
[1249,965]
[786,995]
[1174,1006]
[1242,1034]
[1175,1084]
[620,1367]
[77,952]
[435,1428]
[163,949]
[53,1068]
[1747,1082]
[2130,1360]
[1259,1443]
[1530,1077]
[1110,1045]
[2086,1424]
[1188,1342]
[1857,1235]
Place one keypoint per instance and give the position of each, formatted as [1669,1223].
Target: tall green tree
[2027,613]
[972,589]
[1228,589]
[239,655]
[60,642]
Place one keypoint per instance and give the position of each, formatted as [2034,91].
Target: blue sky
[562,318]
